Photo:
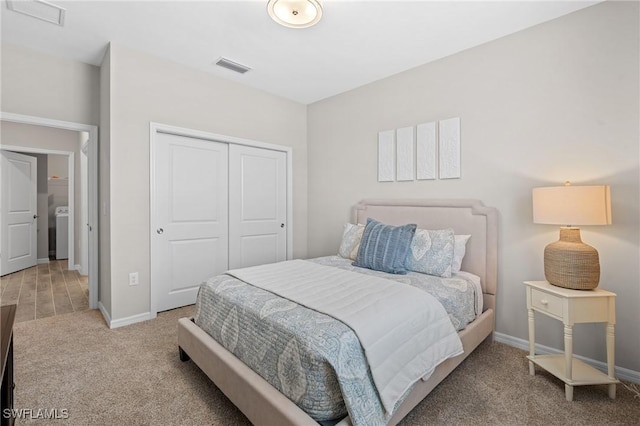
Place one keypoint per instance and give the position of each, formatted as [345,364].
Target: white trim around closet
[155,128]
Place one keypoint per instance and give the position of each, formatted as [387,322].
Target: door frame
[154,129]
[92,172]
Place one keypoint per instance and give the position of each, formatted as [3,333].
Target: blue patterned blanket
[310,357]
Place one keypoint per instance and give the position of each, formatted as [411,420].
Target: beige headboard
[464,216]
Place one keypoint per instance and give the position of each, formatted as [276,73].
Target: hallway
[45,290]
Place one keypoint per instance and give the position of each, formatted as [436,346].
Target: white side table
[572,307]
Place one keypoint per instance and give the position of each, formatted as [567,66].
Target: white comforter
[405,332]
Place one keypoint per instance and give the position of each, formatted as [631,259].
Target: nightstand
[572,307]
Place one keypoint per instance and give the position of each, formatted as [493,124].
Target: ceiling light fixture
[295,13]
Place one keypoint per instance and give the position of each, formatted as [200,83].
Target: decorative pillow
[385,247]
[351,237]
[431,252]
[459,249]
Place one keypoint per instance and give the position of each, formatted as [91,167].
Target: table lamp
[569,262]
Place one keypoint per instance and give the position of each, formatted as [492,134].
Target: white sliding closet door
[257,206]
[190,214]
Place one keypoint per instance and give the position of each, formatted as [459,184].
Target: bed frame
[265,405]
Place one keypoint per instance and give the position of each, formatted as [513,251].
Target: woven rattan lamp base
[570,263]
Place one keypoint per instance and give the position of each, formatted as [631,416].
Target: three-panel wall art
[426,151]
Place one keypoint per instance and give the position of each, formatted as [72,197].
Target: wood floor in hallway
[45,290]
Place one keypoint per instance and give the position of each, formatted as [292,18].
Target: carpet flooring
[132,376]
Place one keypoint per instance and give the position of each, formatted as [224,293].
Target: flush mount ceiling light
[295,13]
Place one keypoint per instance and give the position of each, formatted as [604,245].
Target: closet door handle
[282,225]
[160,231]
[35,216]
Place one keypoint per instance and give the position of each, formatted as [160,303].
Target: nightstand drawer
[546,302]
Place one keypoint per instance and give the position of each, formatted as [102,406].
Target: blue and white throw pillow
[385,247]
[431,252]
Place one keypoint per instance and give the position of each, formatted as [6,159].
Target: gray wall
[42,85]
[42,208]
[148,89]
[555,102]
[58,166]
[58,197]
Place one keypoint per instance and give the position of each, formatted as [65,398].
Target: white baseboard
[104,313]
[123,321]
[130,320]
[621,373]
[43,261]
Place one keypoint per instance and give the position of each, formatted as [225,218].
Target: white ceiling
[355,43]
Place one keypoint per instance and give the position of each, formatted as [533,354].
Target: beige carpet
[132,375]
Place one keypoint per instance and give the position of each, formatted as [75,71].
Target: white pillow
[350,243]
[459,249]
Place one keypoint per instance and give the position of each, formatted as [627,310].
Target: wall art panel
[426,166]
[405,163]
[449,148]
[386,163]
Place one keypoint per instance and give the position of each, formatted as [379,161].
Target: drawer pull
[545,302]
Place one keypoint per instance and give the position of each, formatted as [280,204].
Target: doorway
[91,212]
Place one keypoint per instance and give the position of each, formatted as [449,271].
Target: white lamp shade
[572,205]
[295,13]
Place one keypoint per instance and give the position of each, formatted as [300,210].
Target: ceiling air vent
[39,9]
[233,66]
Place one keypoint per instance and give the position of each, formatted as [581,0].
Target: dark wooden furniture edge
[7,317]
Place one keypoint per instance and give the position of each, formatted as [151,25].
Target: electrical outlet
[133,278]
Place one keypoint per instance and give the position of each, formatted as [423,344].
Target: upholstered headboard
[464,216]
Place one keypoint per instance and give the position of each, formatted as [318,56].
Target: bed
[263,404]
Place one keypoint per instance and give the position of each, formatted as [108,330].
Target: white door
[19,212]
[189,219]
[257,206]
